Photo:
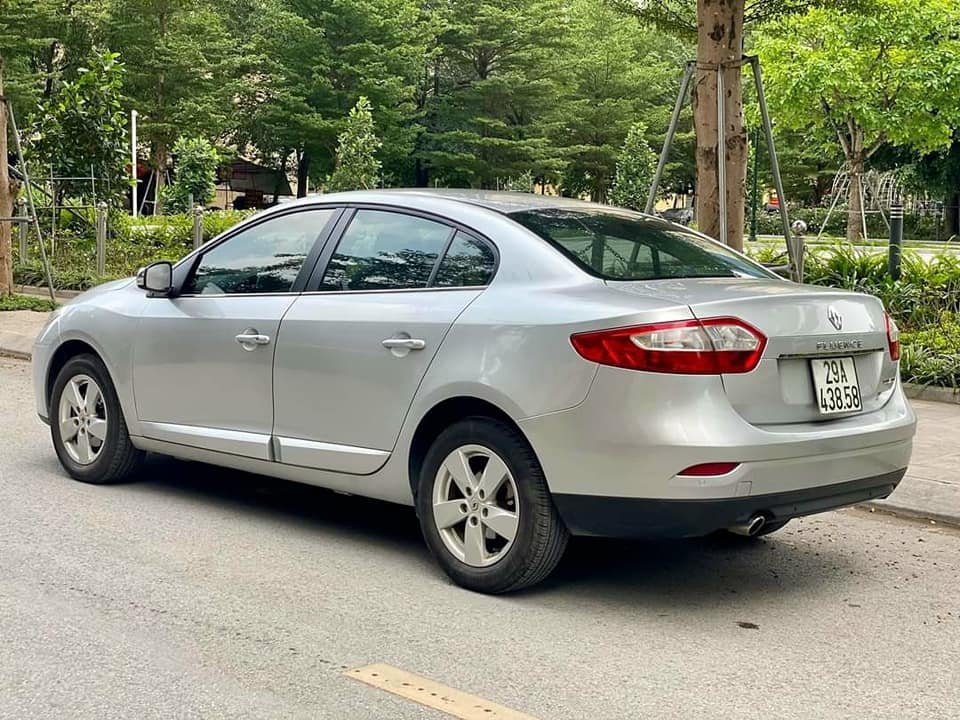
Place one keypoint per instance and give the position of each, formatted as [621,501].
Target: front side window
[264,258]
[619,245]
[385,251]
[468,263]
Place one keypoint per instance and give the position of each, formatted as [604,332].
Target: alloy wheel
[83,419]
[476,505]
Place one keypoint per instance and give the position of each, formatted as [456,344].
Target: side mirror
[156,279]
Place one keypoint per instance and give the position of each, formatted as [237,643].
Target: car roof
[498,201]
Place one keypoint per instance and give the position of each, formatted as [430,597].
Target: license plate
[836,385]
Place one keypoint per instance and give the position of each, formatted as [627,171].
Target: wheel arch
[61,356]
[442,415]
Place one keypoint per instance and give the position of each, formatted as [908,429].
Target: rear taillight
[893,337]
[691,347]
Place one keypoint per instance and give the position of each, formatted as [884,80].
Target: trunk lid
[801,324]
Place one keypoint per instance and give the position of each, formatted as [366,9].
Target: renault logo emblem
[835,318]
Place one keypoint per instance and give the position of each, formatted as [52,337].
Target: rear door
[353,351]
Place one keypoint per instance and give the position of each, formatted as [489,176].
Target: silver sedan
[519,368]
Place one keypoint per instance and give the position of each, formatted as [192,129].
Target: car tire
[92,443]
[468,549]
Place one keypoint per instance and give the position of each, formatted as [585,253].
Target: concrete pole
[197,226]
[101,238]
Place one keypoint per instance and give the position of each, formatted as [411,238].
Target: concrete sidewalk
[931,489]
[18,328]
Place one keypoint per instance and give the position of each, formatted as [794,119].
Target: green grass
[26,302]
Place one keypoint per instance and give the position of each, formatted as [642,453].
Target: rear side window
[469,262]
[619,245]
[385,251]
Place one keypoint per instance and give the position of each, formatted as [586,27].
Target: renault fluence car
[519,368]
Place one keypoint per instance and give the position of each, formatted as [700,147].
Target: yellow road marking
[432,694]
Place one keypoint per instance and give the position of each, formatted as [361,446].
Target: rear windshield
[620,245]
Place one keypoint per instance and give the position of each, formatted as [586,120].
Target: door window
[265,258]
[469,262]
[385,251]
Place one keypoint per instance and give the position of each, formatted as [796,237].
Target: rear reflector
[691,347]
[893,337]
[708,469]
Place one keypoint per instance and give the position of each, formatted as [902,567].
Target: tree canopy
[888,76]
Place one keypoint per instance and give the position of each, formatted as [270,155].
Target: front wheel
[87,426]
[485,509]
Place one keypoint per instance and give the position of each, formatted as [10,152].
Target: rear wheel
[485,510]
[87,426]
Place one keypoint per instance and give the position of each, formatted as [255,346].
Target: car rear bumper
[640,517]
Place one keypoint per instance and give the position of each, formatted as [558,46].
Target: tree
[44,42]
[305,62]
[82,129]
[357,165]
[496,78]
[719,27]
[630,75]
[180,60]
[869,78]
[635,167]
[196,162]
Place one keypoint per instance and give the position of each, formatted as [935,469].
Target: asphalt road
[199,593]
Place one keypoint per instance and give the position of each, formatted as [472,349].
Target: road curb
[932,393]
[888,508]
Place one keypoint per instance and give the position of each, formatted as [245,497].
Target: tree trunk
[6,203]
[854,206]
[720,41]
[951,214]
[303,172]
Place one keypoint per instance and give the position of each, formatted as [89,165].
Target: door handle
[404,343]
[249,340]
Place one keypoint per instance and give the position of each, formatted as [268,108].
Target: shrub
[915,227]
[932,356]
[25,302]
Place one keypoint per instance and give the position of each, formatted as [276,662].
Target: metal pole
[833,205]
[33,210]
[754,199]
[101,239]
[794,248]
[197,226]
[863,210]
[23,229]
[896,239]
[668,140]
[721,154]
[133,160]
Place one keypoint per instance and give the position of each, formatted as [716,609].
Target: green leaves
[82,130]
[357,165]
[196,175]
[635,168]
[870,78]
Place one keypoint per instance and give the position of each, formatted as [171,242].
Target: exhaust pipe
[749,528]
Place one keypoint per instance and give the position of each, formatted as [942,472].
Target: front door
[203,360]
[352,354]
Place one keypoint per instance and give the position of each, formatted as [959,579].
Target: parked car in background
[681,216]
[519,368]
